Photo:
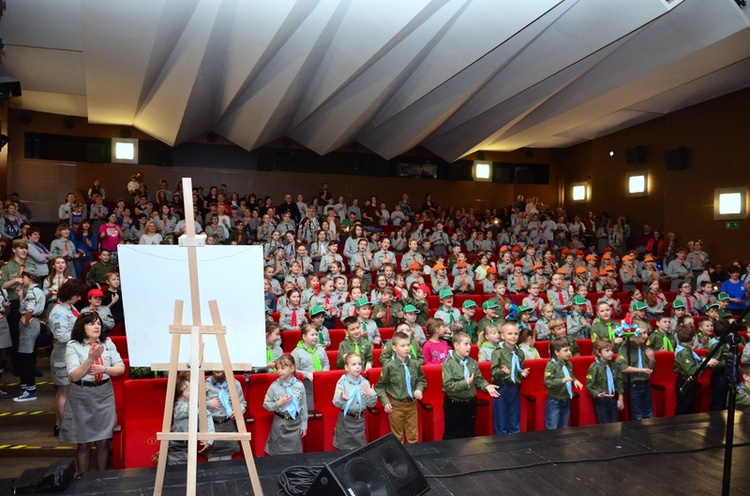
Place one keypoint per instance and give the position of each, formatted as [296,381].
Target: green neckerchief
[312,351]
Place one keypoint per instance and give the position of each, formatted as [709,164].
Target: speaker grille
[361,478]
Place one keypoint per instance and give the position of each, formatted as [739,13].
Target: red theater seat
[121,343]
[433,418]
[255,393]
[534,394]
[324,386]
[337,336]
[663,385]
[143,412]
[289,340]
[582,407]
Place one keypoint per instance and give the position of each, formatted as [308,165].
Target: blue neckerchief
[357,394]
[464,363]
[679,348]
[566,372]
[224,396]
[515,366]
[407,376]
[640,358]
[610,378]
[293,406]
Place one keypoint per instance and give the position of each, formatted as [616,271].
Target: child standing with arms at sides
[448,313]
[686,363]
[662,339]
[317,316]
[310,358]
[461,378]
[534,302]
[401,383]
[507,373]
[354,343]
[411,316]
[349,308]
[604,383]
[542,325]
[292,316]
[559,381]
[353,395]
[369,328]
[604,326]
[558,330]
[527,344]
[491,342]
[436,349]
[468,324]
[578,325]
[286,399]
[414,350]
[636,359]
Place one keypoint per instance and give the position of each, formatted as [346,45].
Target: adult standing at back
[324,194]
[289,206]
[735,288]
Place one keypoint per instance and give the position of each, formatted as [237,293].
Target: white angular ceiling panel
[454,76]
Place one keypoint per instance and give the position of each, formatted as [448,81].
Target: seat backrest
[534,383]
[386,333]
[324,386]
[337,336]
[144,399]
[434,376]
[585,346]
[121,343]
[289,340]
[332,356]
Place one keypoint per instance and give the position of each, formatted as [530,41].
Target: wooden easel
[196,367]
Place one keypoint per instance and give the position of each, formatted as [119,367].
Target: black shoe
[56,431]
[38,373]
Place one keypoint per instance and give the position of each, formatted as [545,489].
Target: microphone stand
[731,339]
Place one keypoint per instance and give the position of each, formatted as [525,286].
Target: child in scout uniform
[500,298]
[517,281]
[629,274]
[310,358]
[388,312]
[353,395]
[411,315]
[468,324]
[354,343]
[526,343]
[492,338]
[286,399]
[491,317]
[415,352]
[705,296]
[369,328]
[559,297]
[401,383]
[604,326]
[691,303]
[95,305]
[743,390]
[534,302]
[461,378]
[317,316]
[538,277]
[723,299]
[523,313]
[439,278]
[177,453]
[273,350]
[448,312]
[542,325]
[558,330]
[559,381]
[32,306]
[662,339]
[507,374]
[686,363]
[678,310]
[463,282]
[292,315]
[719,380]
[223,416]
[604,383]
[488,283]
[639,316]
[578,325]
[635,359]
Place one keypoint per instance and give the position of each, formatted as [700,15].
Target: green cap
[522,309]
[712,305]
[469,304]
[639,305]
[411,309]
[578,300]
[678,304]
[490,304]
[267,309]
[444,293]
[317,310]
[362,302]
[722,296]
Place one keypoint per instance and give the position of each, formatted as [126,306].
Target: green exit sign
[733,224]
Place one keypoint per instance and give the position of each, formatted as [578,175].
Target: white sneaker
[25,396]
[3,395]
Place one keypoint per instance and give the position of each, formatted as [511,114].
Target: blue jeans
[641,402]
[506,410]
[557,414]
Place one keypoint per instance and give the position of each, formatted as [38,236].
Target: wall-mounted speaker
[676,159]
[382,468]
[635,155]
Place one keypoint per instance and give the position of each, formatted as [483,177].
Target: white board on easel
[154,276]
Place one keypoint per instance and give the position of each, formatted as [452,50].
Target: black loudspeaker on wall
[635,155]
[382,468]
[676,159]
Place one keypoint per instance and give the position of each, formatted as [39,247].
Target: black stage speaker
[635,155]
[676,159]
[382,468]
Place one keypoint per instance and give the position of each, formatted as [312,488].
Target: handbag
[56,477]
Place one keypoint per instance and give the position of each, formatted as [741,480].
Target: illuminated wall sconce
[580,192]
[482,170]
[637,184]
[730,203]
[124,151]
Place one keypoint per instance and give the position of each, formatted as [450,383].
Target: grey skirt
[284,438]
[349,433]
[57,365]
[89,414]
[5,341]
[225,448]
[27,336]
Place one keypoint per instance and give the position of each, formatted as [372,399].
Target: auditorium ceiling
[455,76]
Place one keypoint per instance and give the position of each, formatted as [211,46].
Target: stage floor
[530,463]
